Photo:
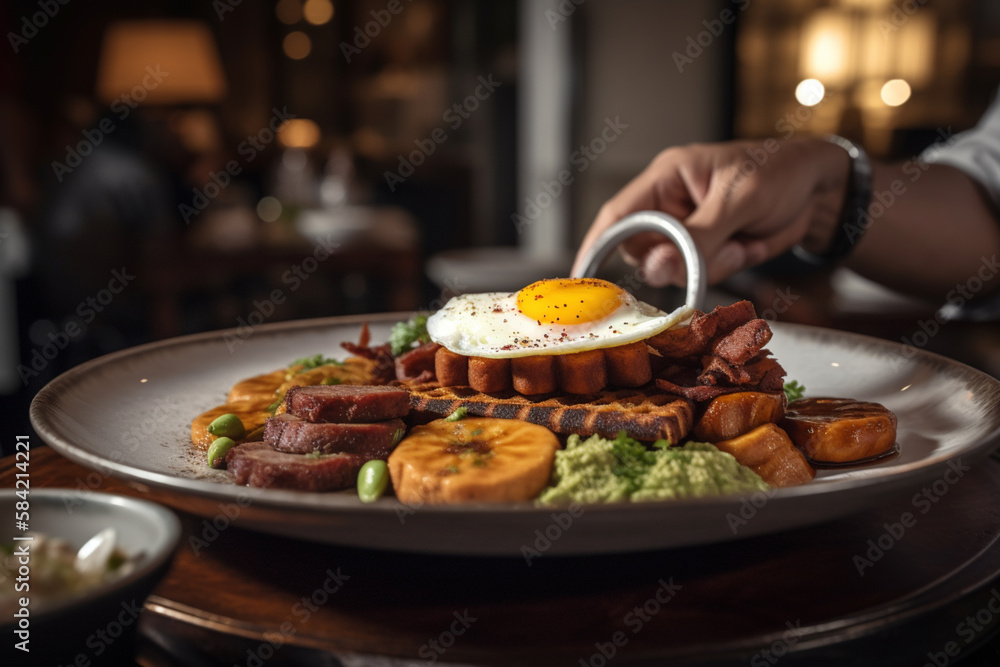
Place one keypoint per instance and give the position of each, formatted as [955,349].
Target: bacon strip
[720,352]
[385,365]
[697,393]
[718,371]
[416,362]
[696,338]
[742,343]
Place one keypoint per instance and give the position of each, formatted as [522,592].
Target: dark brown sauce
[888,454]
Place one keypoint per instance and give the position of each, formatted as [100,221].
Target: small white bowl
[100,621]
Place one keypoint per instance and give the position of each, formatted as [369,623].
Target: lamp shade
[160,62]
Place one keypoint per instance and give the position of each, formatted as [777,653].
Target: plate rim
[281,499]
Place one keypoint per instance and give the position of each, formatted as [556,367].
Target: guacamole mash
[598,470]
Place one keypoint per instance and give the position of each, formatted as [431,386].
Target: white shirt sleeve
[975,151]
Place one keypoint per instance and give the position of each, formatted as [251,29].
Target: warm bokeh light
[298,133]
[318,12]
[289,12]
[903,53]
[895,92]
[297,45]
[809,92]
[269,209]
[915,47]
[827,47]
[866,4]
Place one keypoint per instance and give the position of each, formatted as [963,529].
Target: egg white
[489,325]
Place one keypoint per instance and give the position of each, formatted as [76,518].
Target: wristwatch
[854,219]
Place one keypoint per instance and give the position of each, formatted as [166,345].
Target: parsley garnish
[632,460]
[315,361]
[405,335]
[794,391]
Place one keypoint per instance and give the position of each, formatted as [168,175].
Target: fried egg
[557,316]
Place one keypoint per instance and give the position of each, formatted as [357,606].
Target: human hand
[742,202]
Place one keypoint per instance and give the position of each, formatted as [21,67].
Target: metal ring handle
[651,221]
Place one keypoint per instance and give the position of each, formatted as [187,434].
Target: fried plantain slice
[472,459]
[840,430]
[731,415]
[768,451]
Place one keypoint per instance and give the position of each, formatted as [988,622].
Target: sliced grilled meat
[288,433]
[347,403]
[256,464]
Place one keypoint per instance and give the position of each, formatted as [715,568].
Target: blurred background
[175,167]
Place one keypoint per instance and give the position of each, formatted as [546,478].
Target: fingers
[635,249]
[664,265]
[731,258]
[713,223]
[756,252]
[659,188]
[786,237]
[736,220]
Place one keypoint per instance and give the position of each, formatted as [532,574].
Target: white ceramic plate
[128,414]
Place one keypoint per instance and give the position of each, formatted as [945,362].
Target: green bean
[217,450]
[373,479]
[227,426]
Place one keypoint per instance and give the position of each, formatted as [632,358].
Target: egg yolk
[570,300]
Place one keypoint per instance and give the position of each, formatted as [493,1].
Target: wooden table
[245,598]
